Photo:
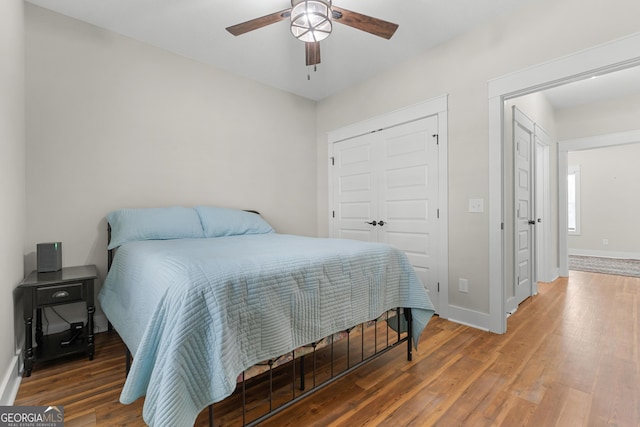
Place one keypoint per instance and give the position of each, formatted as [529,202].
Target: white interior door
[523,140]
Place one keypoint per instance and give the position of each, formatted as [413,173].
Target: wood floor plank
[570,358]
[615,398]
[575,411]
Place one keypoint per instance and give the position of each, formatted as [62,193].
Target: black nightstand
[69,285]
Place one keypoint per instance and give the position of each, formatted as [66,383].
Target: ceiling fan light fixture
[311,19]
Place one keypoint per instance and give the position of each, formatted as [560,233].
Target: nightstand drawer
[59,294]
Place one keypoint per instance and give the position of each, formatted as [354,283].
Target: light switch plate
[476,205]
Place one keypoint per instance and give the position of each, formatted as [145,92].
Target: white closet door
[385,188]
[408,196]
[355,189]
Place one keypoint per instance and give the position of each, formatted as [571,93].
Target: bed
[200,295]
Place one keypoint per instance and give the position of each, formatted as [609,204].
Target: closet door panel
[408,194]
[355,189]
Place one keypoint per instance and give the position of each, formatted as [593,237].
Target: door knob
[374,223]
[532,222]
[381,223]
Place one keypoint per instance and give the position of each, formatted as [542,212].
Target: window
[573,198]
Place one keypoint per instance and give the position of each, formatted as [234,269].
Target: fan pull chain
[315,69]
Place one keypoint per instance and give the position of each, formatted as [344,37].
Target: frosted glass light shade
[311,20]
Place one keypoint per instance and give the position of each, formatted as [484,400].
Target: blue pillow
[217,222]
[129,225]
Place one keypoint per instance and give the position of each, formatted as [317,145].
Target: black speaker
[49,257]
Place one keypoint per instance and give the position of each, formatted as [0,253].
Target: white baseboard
[604,254]
[464,316]
[11,381]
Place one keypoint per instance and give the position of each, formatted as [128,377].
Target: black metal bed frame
[401,337]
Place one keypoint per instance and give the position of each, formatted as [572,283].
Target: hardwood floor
[570,358]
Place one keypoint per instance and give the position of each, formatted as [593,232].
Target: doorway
[527,201]
[581,144]
[602,59]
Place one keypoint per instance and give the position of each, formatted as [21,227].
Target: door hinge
[437,213]
[502,226]
[333,161]
[333,214]
[437,137]
[438,286]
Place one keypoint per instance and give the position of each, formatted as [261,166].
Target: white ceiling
[196,29]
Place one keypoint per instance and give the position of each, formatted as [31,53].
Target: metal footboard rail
[391,341]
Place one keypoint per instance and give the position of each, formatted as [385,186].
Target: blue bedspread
[197,312]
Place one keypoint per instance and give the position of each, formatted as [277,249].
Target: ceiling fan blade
[365,23]
[263,21]
[312,53]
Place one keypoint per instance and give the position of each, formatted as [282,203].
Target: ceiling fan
[311,22]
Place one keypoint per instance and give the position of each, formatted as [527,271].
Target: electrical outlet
[605,242]
[463,285]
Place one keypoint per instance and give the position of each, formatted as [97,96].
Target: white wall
[115,123]
[609,202]
[542,31]
[609,176]
[12,192]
